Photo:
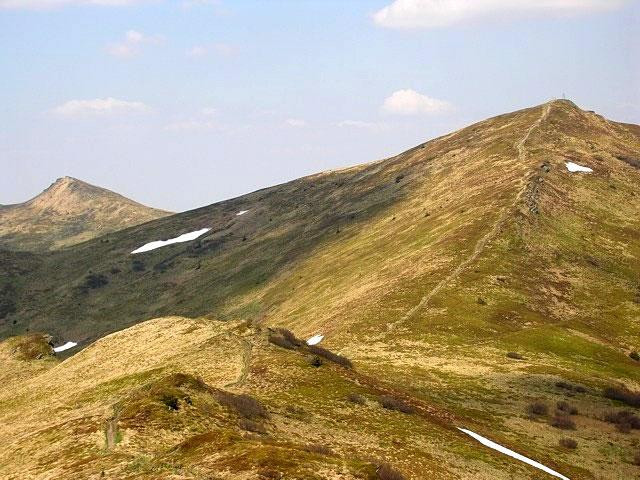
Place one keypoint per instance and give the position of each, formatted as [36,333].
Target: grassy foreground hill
[425,270]
[70,211]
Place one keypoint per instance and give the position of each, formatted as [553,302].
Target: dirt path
[246,362]
[111,430]
[492,233]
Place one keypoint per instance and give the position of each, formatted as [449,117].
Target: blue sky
[178,104]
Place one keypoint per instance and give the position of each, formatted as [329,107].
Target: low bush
[315,361]
[538,408]
[387,472]
[564,385]
[252,426]
[171,401]
[393,403]
[563,422]
[318,449]
[243,404]
[290,337]
[569,443]
[567,408]
[356,398]
[568,386]
[624,420]
[95,280]
[636,459]
[138,266]
[515,355]
[280,341]
[329,355]
[624,395]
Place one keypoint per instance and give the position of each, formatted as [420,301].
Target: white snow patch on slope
[64,347]
[316,339]
[241,212]
[185,237]
[574,167]
[511,453]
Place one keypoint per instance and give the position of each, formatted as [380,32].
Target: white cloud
[410,102]
[295,122]
[191,125]
[52,4]
[197,51]
[199,3]
[221,49]
[359,124]
[442,13]
[98,106]
[203,121]
[132,44]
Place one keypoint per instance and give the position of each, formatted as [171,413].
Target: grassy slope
[389,261]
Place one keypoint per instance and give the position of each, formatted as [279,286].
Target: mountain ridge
[468,282]
[69,211]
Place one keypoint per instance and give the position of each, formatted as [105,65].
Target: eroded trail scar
[111,429]
[246,361]
[493,231]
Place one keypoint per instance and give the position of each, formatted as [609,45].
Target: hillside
[424,269]
[70,211]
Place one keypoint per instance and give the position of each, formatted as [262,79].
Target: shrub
[515,355]
[567,386]
[393,403]
[251,426]
[623,395]
[94,281]
[635,356]
[290,337]
[569,443]
[387,472]
[171,401]
[563,422]
[356,398]
[243,404]
[318,449]
[138,266]
[567,408]
[315,361]
[280,341]
[636,459]
[329,355]
[624,420]
[538,408]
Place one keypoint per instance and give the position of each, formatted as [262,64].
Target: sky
[182,103]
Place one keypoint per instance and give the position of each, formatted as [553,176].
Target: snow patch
[64,347]
[574,167]
[511,453]
[316,339]
[241,212]
[185,237]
